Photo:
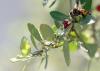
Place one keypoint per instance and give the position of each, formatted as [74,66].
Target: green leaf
[54,28]
[47,32]
[34,32]
[73,46]
[72,33]
[25,47]
[85,38]
[58,16]
[33,41]
[66,52]
[89,19]
[92,48]
[87,4]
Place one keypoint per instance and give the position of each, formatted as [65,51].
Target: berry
[98,8]
[66,24]
[76,12]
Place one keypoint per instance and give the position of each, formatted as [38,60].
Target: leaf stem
[89,65]
[36,53]
[94,32]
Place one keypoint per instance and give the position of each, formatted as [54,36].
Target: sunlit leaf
[61,43]
[25,47]
[47,32]
[85,37]
[58,16]
[34,32]
[72,33]
[79,33]
[54,28]
[87,4]
[92,48]
[66,52]
[73,46]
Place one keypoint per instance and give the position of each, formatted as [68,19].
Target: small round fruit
[66,24]
[98,8]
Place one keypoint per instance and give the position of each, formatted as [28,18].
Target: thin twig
[89,65]
[36,53]
[94,32]
[70,4]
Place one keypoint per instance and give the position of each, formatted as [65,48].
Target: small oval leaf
[73,46]
[66,52]
[47,32]
[58,16]
[34,32]
[25,47]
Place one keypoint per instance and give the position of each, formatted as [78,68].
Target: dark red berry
[76,12]
[66,24]
[98,8]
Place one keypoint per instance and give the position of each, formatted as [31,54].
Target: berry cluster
[76,15]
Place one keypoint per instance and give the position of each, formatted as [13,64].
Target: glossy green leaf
[34,32]
[92,48]
[87,4]
[46,32]
[25,47]
[73,46]
[66,52]
[58,16]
